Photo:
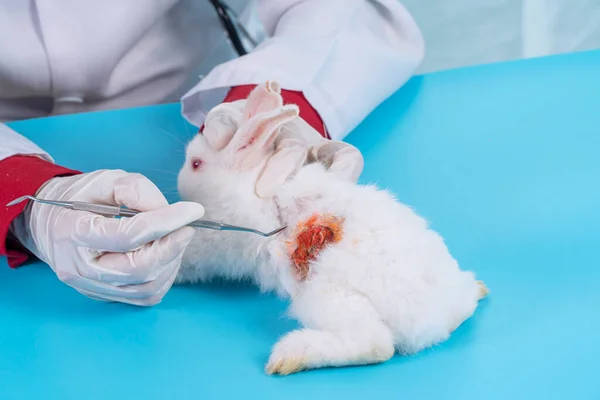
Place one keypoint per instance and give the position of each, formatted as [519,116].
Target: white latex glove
[340,158]
[129,260]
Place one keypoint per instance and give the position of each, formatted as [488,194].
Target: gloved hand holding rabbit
[291,144]
[365,275]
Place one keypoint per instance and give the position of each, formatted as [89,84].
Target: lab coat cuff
[20,176]
[14,144]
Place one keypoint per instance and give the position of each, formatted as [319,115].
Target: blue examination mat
[502,159]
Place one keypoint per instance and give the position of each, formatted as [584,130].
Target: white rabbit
[382,281]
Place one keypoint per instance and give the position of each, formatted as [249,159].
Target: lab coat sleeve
[24,168]
[12,143]
[345,56]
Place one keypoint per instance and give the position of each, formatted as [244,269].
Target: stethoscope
[231,24]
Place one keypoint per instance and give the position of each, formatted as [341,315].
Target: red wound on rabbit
[311,237]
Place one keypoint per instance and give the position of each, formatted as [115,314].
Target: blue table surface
[502,159]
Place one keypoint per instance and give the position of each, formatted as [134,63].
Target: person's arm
[336,59]
[12,143]
[24,168]
[344,56]
[130,260]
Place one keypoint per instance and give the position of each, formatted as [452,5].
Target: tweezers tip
[276,231]
[19,200]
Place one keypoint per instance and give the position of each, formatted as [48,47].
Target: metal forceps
[116,211]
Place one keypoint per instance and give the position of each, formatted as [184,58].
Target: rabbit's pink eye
[196,163]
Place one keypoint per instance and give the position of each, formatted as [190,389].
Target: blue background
[502,159]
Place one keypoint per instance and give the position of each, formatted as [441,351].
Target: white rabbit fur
[388,284]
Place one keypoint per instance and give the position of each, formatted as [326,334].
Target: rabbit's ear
[221,123]
[254,140]
[263,98]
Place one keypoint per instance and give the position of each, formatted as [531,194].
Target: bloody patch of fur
[310,238]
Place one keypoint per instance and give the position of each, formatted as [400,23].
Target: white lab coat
[347,56]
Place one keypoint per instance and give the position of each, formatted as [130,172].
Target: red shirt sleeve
[307,112]
[20,176]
